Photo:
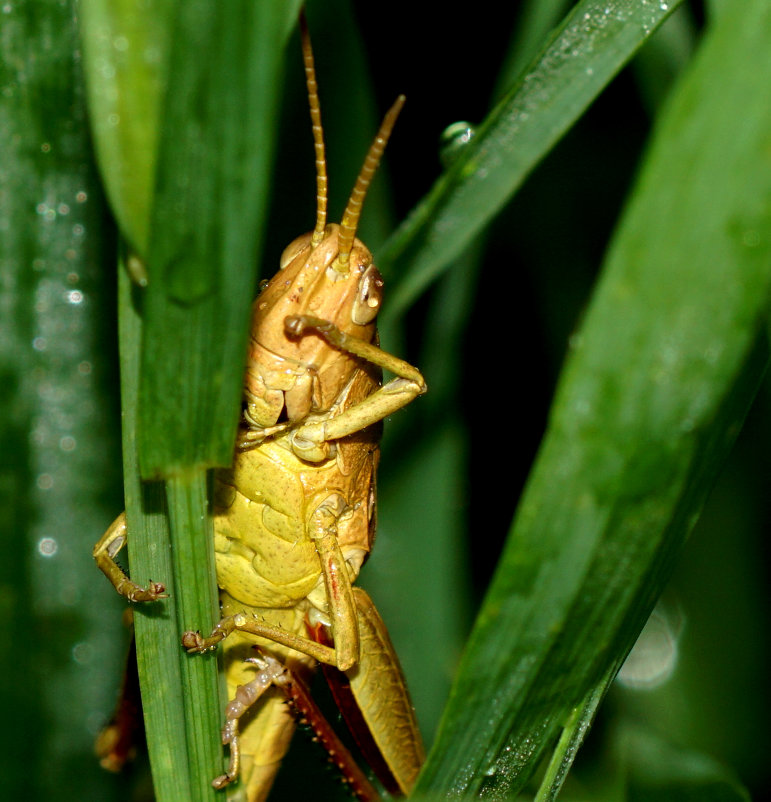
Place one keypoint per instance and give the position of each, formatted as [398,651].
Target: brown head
[327,274]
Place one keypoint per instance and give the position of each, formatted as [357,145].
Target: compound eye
[368,298]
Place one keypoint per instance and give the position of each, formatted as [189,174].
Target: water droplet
[654,657]
[44,210]
[47,546]
[82,653]
[68,443]
[136,270]
[45,481]
[453,140]
[74,297]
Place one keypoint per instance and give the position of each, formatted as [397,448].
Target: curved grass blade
[593,43]
[654,392]
[125,52]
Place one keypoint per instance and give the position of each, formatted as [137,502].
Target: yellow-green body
[268,567]
[294,518]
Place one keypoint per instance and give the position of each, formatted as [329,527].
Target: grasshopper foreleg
[397,393]
[111,542]
[253,436]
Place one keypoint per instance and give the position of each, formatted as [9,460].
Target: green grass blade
[183,106]
[202,201]
[655,390]
[212,188]
[159,650]
[536,20]
[125,52]
[570,741]
[594,41]
[197,608]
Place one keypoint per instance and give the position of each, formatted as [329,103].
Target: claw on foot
[136,593]
[193,642]
[220,782]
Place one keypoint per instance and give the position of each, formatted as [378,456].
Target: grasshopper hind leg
[267,708]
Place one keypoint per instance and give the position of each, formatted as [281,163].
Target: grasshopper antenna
[318,134]
[352,211]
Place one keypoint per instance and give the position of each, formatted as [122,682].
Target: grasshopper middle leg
[111,542]
[341,608]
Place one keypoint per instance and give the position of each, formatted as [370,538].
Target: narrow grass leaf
[653,394]
[570,741]
[197,607]
[159,650]
[593,43]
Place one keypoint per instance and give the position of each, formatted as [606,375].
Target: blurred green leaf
[537,19]
[126,55]
[660,772]
[664,57]
[655,390]
[62,642]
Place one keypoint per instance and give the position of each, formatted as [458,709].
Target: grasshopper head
[349,294]
[306,373]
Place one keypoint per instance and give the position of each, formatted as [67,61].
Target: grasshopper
[294,517]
